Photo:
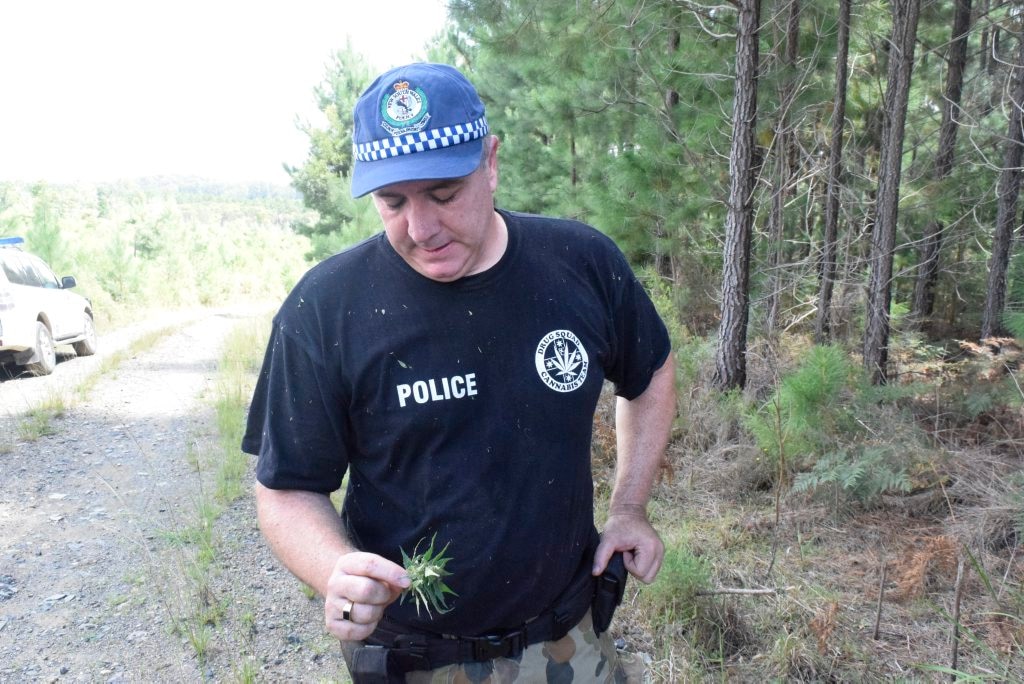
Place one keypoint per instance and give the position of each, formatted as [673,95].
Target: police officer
[451,366]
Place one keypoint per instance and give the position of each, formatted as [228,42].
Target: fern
[1014,323]
[1016,502]
[852,475]
[862,474]
[978,403]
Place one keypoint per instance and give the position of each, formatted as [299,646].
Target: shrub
[672,598]
[807,430]
[805,413]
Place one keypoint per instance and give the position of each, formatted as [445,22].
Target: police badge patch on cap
[399,134]
[405,110]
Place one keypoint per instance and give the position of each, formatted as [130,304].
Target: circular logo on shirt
[562,361]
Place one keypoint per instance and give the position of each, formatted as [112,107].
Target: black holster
[371,665]
[608,592]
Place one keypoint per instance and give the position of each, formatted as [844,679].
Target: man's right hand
[368,582]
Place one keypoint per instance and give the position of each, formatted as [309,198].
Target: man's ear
[492,143]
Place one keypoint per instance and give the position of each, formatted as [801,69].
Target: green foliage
[38,421]
[978,403]
[164,244]
[665,299]
[580,108]
[1014,323]
[864,473]
[119,275]
[1015,296]
[1013,501]
[44,237]
[240,361]
[324,180]
[834,432]
[806,413]
[672,598]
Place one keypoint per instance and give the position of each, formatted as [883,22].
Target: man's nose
[423,223]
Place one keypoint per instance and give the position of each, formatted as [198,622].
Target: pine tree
[901,63]
[325,178]
[730,359]
[1008,192]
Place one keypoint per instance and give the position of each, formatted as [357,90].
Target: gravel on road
[97,579]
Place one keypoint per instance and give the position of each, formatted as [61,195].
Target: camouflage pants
[579,656]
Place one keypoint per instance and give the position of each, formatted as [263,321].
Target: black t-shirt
[463,409]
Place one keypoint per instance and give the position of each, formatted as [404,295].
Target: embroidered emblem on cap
[405,110]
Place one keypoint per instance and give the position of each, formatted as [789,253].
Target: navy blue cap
[416,122]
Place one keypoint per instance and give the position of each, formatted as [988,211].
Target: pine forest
[821,197]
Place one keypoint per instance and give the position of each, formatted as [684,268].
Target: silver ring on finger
[346,611]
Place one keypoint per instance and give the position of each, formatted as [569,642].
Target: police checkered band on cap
[432,139]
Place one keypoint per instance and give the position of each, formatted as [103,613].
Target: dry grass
[824,624]
[826,558]
[925,564]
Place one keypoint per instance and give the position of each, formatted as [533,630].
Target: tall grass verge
[204,619]
[240,361]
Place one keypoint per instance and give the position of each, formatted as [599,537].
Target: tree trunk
[983,48]
[829,267]
[730,360]
[574,178]
[953,310]
[883,238]
[1006,213]
[931,243]
[671,94]
[784,165]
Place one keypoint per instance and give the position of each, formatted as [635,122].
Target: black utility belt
[396,652]
[390,652]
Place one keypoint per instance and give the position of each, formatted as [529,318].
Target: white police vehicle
[39,312]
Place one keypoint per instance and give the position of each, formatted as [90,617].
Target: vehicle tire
[87,345]
[46,352]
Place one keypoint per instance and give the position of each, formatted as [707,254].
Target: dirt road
[97,582]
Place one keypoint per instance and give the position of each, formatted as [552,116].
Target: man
[451,366]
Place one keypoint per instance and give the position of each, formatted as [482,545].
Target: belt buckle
[412,652]
[494,646]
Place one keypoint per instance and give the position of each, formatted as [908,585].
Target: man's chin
[441,265]
[442,273]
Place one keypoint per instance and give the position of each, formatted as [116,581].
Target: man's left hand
[632,534]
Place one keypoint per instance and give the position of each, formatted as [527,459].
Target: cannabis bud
[427,572]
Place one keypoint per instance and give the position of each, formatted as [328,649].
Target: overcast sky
[98,90]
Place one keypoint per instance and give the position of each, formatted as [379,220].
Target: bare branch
[744,592]
[710,13]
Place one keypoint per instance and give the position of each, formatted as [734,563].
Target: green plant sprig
[427,571]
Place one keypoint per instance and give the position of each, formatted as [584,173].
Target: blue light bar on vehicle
[11,240]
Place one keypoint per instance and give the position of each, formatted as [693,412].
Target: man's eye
[394,204]
[445,200]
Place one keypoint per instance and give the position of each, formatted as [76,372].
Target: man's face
[446,229]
